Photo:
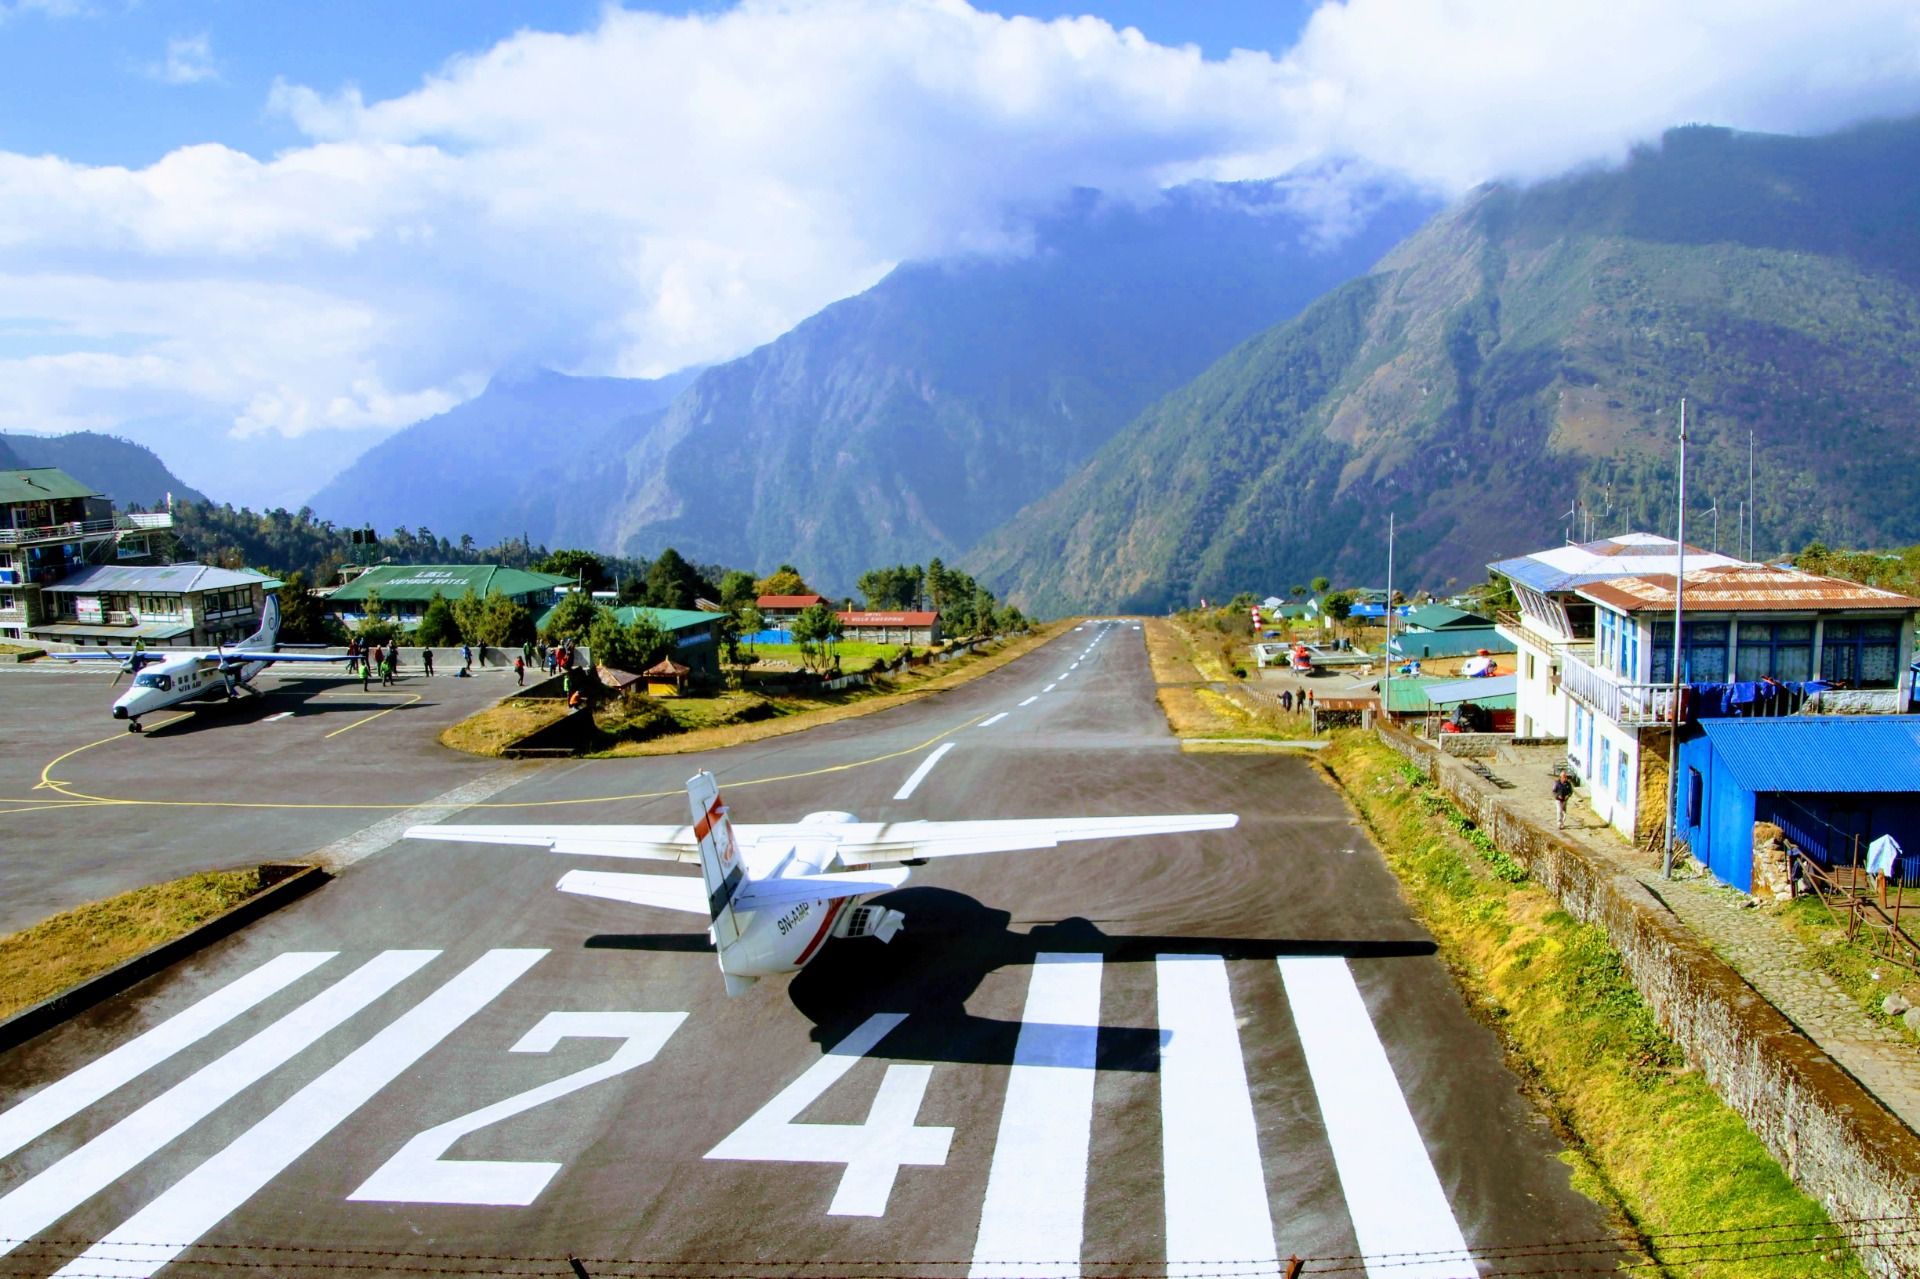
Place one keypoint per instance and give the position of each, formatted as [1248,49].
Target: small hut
[615,679]
[666,678]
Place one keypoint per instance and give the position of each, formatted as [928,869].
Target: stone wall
[1834,1139]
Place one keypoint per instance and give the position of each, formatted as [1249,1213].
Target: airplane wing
[761,894]
[901,841]
[669,892]
[642,843]
[102,655]
[858,841]
[235,656]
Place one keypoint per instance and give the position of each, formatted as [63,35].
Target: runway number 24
[873,1152]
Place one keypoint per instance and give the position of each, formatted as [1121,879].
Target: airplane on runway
[167,679]
[775,894]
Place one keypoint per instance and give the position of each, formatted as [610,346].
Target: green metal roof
[424,581]
[1442,617]
[1407,695]
[672,620]
[41,484]
[1462,643]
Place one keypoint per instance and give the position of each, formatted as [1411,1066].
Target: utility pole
[1386,649]
[1752,510]
[1679,598]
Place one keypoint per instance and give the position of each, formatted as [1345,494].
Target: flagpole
[1386,649]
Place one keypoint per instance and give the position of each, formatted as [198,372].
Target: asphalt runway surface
[1194,1054]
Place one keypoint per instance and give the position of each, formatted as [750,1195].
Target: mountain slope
[1523,351]
[909,421]
[522,457]
[128,473]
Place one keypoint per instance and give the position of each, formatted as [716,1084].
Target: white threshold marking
[277,715]
[1215,1184]
[386,832]
[1035,1207]
[1030,701]
[1393,1194]
[60,1101]
[203,1198]
[42,1200]
[989,723]
[1049,688]
[920,773]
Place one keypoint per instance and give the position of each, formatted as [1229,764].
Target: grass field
[39,962]
[492,730]
[854,655]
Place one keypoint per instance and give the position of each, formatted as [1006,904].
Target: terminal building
[52,526]
[193,605]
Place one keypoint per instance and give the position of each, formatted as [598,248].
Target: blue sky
[270,220]
[87,79]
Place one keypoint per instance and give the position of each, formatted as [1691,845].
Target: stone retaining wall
[1834,1139]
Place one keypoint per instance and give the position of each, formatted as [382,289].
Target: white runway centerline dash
[1215,1184]
[1030,701]
[989,723]
[1035,1205]
[1393,1194]
[920,773]
[1049,688]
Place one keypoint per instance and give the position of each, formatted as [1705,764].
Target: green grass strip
[1652,1140]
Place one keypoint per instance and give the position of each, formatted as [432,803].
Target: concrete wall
[1835,1141]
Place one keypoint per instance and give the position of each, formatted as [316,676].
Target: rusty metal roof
[1744,588]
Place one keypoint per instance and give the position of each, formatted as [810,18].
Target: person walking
[1562,792]
[353,655]
[386,669]
[426,660]
[466,658]
[366,673]
[519,670]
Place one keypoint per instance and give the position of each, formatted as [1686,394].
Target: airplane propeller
[131,666]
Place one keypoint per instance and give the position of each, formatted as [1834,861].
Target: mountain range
[1521,357]
[1197,395]
[898,425]
[129,473]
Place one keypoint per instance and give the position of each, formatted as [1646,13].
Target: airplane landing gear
[133,726]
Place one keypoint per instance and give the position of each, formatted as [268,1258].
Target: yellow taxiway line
[81,799]
[411,699]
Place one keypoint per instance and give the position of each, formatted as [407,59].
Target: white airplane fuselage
[786,938]
[173,680]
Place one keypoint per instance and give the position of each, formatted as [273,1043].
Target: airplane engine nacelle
[869,921]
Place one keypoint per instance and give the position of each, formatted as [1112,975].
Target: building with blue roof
[1832,783]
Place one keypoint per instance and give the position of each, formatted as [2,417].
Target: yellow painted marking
[411,699]
[66,789]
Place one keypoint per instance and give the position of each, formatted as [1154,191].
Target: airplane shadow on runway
[301,696]
[951,942]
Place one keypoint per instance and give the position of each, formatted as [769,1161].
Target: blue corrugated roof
[1821,753]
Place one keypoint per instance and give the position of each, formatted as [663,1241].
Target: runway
[1191,1055]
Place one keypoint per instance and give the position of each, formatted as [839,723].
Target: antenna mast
[1679,597]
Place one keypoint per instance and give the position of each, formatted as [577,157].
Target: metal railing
[70,530]
[1638,705]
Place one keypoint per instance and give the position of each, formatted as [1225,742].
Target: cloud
[189,60]
[661,191]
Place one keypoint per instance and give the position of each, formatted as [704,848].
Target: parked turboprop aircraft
[166,679]
[775,894]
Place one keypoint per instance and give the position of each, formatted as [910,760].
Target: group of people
[368,660]
[365,660]
[1289,700]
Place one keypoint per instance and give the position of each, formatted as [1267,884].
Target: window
[1605,649]
[1529,665]
[1606,763]
[1578,740]
[1620,779]
[1863,654]
[1694,788]
[1775,650]
[1703,657]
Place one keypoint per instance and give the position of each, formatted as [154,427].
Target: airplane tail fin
[268,635]
[720,866]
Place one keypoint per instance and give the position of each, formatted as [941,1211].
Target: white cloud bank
[661,191]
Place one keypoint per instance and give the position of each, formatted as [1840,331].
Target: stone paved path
[1759,946]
